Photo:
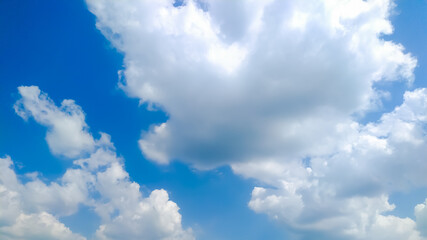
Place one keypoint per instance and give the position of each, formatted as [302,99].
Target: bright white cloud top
[271,88]
[297,69]
[29,210]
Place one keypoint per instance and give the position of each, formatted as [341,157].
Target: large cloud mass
[273,89]
[346,192]
[251,79]
[29,210]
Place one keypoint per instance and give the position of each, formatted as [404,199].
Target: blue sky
[243,109]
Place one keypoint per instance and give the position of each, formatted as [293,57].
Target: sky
[213,119]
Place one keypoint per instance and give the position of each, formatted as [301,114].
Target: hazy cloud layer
[30,210]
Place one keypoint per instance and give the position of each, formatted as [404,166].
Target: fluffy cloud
[345,192]
[18,218]
[153,218]
[251,80]
[98,181]
[67,130]
[38,226]
[271,88]
[421,216]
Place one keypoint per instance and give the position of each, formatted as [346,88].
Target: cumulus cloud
[250,79]
[67,130]
[38,226]
[18,219]
[272,89]
[346,192]
[30,210]
[421,216]
[154,217]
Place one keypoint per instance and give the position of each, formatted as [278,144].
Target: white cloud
[297,68]
[99,181]
[278,81]
[67,130]
[38,226]
[17,221]
[421,216]
[345,191]
[299,73]
[153,218]
[393,228]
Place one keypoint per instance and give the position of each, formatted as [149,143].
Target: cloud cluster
[15,221]
[346,192]
[272,89]
[30,210]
